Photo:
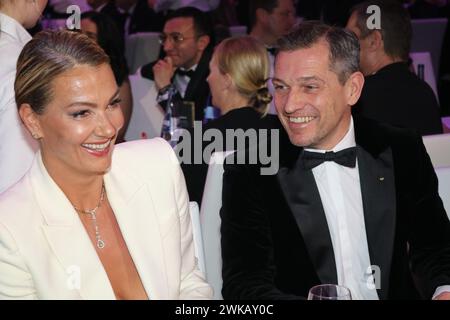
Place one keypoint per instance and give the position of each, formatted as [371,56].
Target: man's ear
[30,120]
[203,42]
[354,87]
[375,40]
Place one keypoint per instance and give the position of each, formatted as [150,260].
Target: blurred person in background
[392,93]
[16,147]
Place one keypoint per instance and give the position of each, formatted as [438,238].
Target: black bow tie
[188,73]
[272,50]
[346,157]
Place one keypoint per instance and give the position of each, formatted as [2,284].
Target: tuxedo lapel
[199,78]
[378,195]
[134,209]
[301,193]
[68,239]
[376,171]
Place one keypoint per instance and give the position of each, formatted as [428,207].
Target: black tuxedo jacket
[197,89]
[275,239]
[111,10]
[397,96]
[145,19]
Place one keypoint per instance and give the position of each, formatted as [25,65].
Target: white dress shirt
[129,13]
[17,148]
[181,82]
[340,192]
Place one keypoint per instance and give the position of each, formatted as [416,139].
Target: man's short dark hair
[268,5]
[395,26]
[343,45]
[202,21]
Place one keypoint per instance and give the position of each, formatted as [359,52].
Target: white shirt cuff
[440,290]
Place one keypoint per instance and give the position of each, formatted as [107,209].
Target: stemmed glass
[329,292]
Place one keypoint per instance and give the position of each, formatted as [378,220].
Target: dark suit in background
[275,239]
[145,19]
[111,10]
[142,19]
[397,96]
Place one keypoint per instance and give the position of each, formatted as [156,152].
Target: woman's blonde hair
[246,60]
[46,56]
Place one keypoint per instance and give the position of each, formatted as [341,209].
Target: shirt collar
[347,141]
[191,68]
[129,11]
[14,29]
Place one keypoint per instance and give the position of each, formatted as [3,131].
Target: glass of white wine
[329,292]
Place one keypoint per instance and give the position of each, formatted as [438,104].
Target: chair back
[438,147]
[210,222]
[443,174]
[237,30]
[141,48]
[428,35]
[147,116]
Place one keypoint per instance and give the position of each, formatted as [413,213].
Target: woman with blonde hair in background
[16,148]
[90,220]
[239,70]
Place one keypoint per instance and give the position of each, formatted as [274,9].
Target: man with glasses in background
[187,41]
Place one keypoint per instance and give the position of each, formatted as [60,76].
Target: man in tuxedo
[354,202]
[187,41]
[392,93]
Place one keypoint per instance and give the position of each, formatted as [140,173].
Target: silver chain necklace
[92,212]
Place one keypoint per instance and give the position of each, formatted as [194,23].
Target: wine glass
[329,292]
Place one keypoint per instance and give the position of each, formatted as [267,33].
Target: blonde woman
[90,220]
[16,149]
[239,70]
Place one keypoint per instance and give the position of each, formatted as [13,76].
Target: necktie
[346,157]
[188,73]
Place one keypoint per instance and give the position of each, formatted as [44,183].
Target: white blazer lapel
[68,239]
[134,209]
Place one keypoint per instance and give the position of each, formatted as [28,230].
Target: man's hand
[163,72]
[443,296]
